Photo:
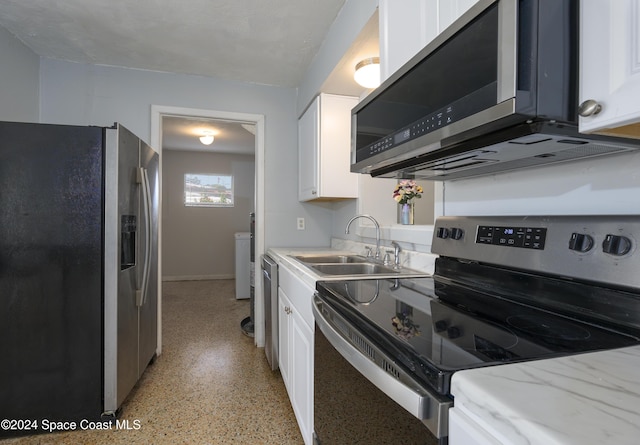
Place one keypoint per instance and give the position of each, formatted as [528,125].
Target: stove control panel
[526,237]
[455,233]
[616,245]
[601,248]
[580,242]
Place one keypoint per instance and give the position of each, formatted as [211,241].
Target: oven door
[361,396]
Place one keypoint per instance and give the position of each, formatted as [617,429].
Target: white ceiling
[263,42]
[183,133]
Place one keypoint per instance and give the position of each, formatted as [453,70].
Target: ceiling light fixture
[368,72]
[207,138]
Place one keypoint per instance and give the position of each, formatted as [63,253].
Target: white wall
[19,80]
[600,186]
[353,16]
[199,242]
[82,94]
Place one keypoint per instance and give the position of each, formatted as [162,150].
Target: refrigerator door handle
[143,180]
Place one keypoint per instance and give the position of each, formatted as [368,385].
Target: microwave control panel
[421,127]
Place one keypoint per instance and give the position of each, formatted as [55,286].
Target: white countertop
[585,399]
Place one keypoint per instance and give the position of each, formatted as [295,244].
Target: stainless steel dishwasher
[270,288]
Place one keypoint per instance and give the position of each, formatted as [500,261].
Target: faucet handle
[367,250]
[387,258]
[396,254]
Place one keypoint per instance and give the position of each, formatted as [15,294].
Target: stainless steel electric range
[505,290]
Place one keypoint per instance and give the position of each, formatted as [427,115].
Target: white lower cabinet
[295,331]
[284,336]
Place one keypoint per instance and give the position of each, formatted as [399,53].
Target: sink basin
[354,269]
[332,259]
[345,266]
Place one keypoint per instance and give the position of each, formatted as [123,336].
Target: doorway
[157,114]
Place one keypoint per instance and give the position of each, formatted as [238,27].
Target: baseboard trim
[198,277]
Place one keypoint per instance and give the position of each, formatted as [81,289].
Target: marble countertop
[583,399]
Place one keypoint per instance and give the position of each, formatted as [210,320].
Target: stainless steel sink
[332,259]
[354,269]
[346,266]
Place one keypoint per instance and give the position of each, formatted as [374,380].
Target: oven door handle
[431,408]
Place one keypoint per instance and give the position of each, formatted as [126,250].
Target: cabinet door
[308,147]
[408,26]
[284,338]
[324,150]
[405,28]
[450,10]
[296,362]
[335,179]
[610,63]
[302,374]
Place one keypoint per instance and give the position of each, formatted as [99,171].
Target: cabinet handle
[589,108]
[287,309]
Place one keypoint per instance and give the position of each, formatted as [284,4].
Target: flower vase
[406,213]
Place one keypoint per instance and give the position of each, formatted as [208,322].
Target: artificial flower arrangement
[406,191]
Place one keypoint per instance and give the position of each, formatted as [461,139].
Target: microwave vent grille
[473,165]
[594,150]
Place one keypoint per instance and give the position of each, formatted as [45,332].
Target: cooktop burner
[437,329]
[546,326]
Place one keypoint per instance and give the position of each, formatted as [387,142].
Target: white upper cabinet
[610,66]
[450,11]
[324,150]
[407,26]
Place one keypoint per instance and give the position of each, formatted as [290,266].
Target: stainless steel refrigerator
[78,269]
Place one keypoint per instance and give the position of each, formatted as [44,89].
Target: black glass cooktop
[434,327]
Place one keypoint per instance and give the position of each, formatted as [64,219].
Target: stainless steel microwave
[496,91]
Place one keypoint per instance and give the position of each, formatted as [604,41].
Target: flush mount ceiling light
[368,72]
[207,138]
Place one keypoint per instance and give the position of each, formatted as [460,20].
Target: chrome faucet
[375,223]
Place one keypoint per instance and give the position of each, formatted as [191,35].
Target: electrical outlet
[300,223]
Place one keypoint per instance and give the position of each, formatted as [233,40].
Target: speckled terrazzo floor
[211,385]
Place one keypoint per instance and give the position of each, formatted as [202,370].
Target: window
[208,190]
